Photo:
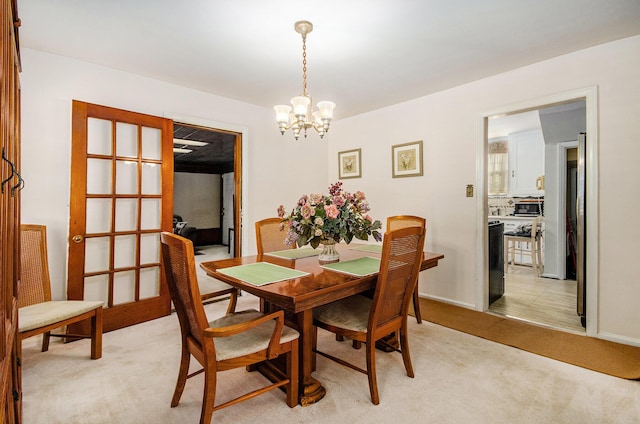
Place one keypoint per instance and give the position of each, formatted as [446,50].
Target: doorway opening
[537,181]
[207,182]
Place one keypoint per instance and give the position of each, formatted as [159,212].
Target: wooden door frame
[237,190]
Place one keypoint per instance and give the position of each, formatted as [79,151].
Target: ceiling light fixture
[180,150]
[303,115]
[189,142]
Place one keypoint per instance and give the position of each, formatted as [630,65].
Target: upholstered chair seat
[247,342]
[43,314]
[351,313]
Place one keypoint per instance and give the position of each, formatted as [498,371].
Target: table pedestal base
[311,391]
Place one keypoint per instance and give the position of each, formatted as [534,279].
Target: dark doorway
[207,166]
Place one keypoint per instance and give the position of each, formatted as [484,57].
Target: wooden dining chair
[367,320]
[235,340]
[37,313]
[403,221]
[270,237]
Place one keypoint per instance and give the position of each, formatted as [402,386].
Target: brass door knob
[77,238]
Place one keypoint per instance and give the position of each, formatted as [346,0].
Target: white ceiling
[362,54]
[502,126]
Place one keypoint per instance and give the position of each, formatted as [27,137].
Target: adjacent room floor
[544,301]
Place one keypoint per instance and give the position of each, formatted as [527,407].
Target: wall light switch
[469,190]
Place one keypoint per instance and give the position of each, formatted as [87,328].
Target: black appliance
[529,208]
[496,260]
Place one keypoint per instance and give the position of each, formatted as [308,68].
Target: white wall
[49,84]
[196,198]
[559,128]
[447,124]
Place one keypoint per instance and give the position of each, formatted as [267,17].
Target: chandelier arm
[321,128]
[305,124]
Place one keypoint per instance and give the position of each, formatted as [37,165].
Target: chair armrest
[231,330]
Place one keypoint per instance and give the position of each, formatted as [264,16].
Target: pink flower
[315,198]
[307,211]
[368,218]
[281,211]
[359,195]
[331,211]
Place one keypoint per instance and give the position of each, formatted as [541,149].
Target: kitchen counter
[510,218]
[511,222]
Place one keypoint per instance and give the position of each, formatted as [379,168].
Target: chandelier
[303,115]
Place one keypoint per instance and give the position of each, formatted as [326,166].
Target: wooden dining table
[298,296]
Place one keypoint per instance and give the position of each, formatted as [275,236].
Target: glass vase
[329,253]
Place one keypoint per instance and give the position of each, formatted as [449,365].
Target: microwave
[529,208]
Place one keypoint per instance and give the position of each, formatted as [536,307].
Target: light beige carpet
[595,354]
[459,379]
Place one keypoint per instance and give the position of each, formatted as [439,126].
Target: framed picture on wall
[349,164]
[407,159]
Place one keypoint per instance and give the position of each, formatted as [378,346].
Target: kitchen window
[498,167]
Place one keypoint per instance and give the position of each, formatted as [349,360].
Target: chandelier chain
[304,65]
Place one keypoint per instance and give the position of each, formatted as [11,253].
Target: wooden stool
[512,245]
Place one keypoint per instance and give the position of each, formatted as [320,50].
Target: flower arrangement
[319,218]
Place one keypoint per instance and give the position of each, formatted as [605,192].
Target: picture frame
[406,159]
[349,164]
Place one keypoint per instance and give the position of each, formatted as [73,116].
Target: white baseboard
[619,339]
[449,301]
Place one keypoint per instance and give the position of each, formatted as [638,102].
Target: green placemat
[375,248]
[261,273]
[294,253]
[358,267]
